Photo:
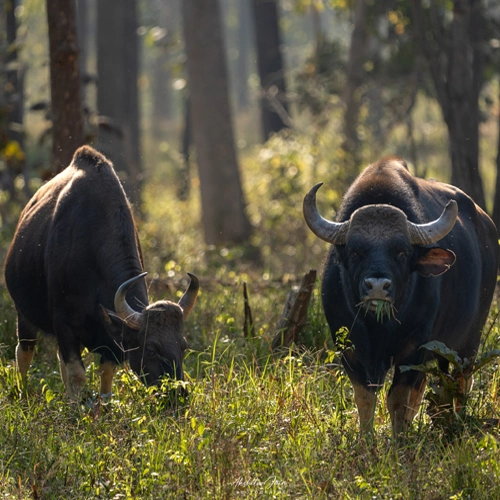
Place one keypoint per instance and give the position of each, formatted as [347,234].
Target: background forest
[219,115]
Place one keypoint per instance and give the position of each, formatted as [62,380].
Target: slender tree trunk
[456,64]
[117,96]
[496,204]
[161,81]
[161,94]
[184,189]
[274,107]
[15,98]
[67,114]
[15,91]
[223,206]
[111,96]
[244,27]
[352,99]
[465,68]
[131,119]
[82,8]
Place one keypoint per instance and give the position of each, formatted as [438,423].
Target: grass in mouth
[383,309]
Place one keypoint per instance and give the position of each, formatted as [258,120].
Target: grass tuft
[383,308]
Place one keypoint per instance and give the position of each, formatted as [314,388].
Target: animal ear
[117,329]
[435,261]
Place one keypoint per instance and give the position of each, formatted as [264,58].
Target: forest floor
[254,425]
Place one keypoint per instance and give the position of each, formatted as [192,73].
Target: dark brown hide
[437,271]
[75,244]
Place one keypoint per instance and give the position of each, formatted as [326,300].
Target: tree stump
[294,313]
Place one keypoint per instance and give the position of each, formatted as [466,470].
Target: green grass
[253,426]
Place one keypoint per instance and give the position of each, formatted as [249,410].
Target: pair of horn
[336,232]
[133,319]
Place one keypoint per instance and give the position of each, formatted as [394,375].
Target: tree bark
[496,204]
[67,114]
[355,75]
[82,8]
[15,90]
[117,96]
[465,69]
[274,107]
[223,206]
[456,63]
[161,79]
[244,27]
[131,119]
[184,181]
[110,96]
[15,100]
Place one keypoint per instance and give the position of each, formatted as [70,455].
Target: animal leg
[73,376]
[365,401]
[405,396]
[416,396]
[107,370]
[26,335]
[70,358]
[398,401]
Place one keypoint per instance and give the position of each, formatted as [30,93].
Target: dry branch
[248,326]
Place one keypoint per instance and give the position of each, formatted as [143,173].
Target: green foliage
[251,428]
[464,367]
[323,79]
[276,177]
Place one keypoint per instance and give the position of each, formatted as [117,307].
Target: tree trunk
[274,107]
[131,119]
[82,8]
[161,93]
[15,100]
[456,64]
[117,96]
[15,90]
[355,75]
[223,207]
[110,96]
[184,182]
[465,68]
[496,204]
[161,79]
[67,114]
[244,27]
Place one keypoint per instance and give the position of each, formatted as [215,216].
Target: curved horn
[128,315]
[332,232]
[425,234]
[187,301]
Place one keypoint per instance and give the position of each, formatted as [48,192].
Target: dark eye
[402,255]
[150,352]
[353,254]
